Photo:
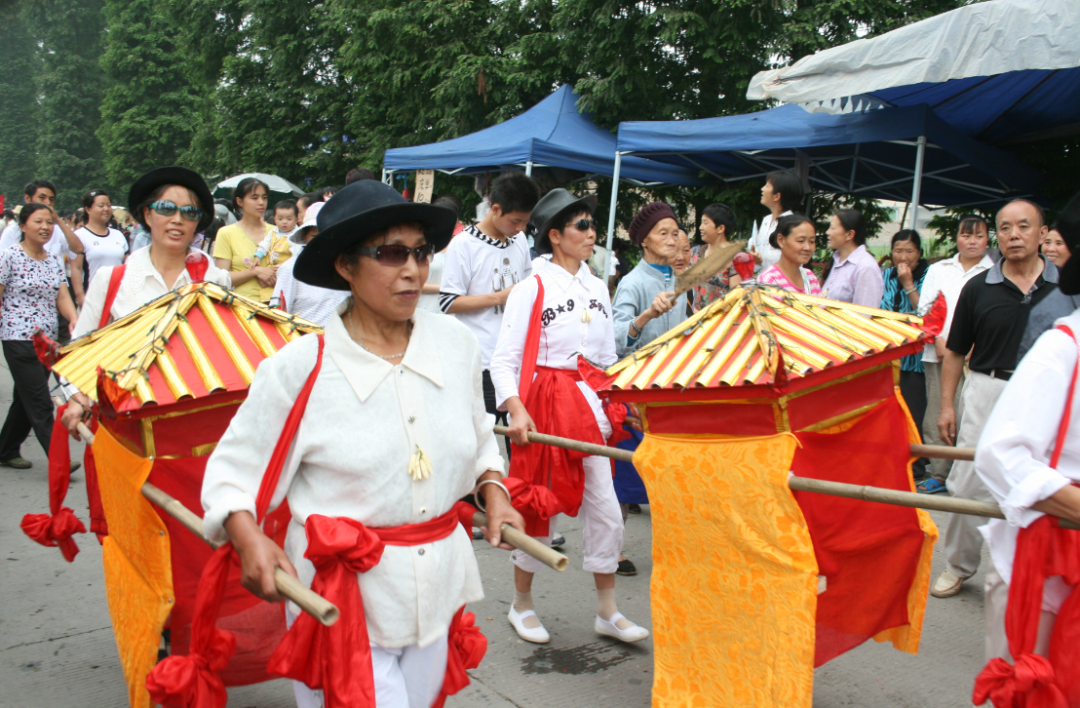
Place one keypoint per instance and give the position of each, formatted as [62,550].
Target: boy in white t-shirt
[485,261]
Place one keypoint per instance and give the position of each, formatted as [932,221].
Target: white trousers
[600,518]
[409,677]
[997,600]
[963,541]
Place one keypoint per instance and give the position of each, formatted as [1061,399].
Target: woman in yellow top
[234,249]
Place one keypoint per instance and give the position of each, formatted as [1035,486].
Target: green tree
[70,84]
[19,117]
[150,106]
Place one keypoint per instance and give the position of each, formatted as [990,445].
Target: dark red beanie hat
[647,218]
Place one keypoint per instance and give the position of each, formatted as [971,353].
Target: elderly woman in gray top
[644,305]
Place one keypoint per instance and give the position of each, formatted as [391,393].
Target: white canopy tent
[979,40]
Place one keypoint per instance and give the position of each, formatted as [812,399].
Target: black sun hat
[1068,224]
[182,176]
[554,204]
[356,212]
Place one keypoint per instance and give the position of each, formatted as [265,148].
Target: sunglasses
[167,208]
[585,224]
[394,255]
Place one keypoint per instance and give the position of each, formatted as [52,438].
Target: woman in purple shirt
[853,274]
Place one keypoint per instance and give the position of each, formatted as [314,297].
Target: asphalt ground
[57,646]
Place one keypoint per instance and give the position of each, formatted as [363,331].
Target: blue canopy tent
[894,153]
[550,134]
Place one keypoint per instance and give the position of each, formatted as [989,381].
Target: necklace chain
[360,340]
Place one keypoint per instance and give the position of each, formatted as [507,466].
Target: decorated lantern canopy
[167,379]
[754,585]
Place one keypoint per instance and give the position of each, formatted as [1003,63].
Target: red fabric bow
[192,681]
[532,499]
[466,646]
[56,528]
[1042,551]
[1030,683]
[336,659]
[934,321]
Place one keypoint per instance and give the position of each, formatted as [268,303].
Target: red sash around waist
[337,659]
[558,407]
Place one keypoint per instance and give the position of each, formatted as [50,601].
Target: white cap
[310,217]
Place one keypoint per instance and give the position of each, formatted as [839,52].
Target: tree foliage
[19,116]
[70,84]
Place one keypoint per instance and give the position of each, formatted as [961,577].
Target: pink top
[773,276]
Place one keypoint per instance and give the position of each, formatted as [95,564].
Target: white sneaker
[609,628]
[536,635]
[947,584]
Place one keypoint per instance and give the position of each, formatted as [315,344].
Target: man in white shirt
[484,262]
[1015,459]
[64,242]
[947,277]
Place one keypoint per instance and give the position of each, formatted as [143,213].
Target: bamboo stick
[839,489]
[944,452]
[311,602]
[524,542]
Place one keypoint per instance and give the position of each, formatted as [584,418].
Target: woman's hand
[903,274]
[499,511]
[755,254]
[633,418]
[266,275]
[260,557]
[939,347]
[521,423]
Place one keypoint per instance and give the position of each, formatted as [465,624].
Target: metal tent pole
[528,168]
[611,216]
[920,155]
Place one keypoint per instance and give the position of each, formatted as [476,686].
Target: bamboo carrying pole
[517,539]
[312,603]
[951,505]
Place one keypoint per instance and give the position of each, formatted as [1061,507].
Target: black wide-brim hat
[356,212]
[174,174]
[1068,224]
[556,203]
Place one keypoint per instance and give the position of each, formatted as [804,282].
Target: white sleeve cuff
[1038,485]
[226,501]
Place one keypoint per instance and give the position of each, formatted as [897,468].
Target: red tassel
[56,529]
[934,321]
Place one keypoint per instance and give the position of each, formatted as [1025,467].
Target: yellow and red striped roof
[764,335]
[188,344]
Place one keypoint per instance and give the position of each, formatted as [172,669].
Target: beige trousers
[963,541]
[939,469]
[997,600]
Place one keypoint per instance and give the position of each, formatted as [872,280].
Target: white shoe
[947,584]
[609,628]
[536,635]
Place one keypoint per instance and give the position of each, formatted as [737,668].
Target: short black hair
[908,235]
[89,197]
[31,188]
[853,220]
[721,215]
[447,203]
[785,225]
[790,188]
[245,187]
[327,192]
[287,204]
[969,224]
[515,192]
[358,174]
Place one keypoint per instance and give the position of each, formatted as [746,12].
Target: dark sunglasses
[394,255]
[585,224]
[167,208]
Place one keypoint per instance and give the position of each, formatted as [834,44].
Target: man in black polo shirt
[999,315]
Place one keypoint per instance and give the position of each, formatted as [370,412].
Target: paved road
[57,648]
